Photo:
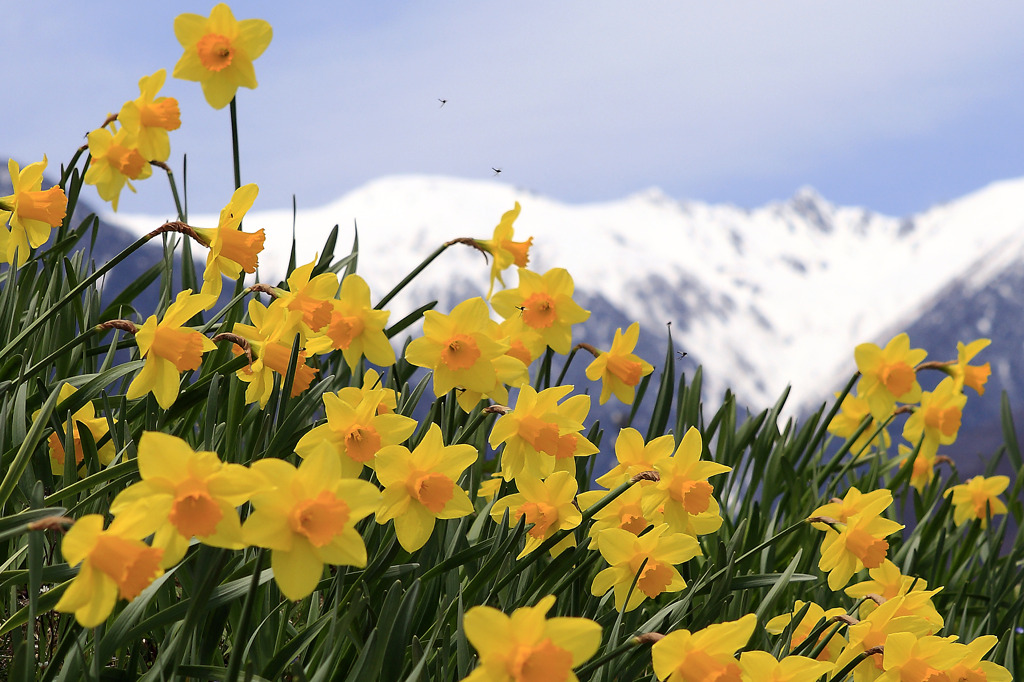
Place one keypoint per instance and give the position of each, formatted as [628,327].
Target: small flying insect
[442,101]
[497,171]
[681,354]
[521,309]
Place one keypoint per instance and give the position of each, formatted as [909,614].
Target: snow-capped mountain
[761,298]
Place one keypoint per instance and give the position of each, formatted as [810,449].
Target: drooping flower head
[852,413]
[708,654]
[888,375]
[307,518]
[310,296]
[422,486]
[219,51]
[546,305]
[978,498]
[183,494]
[231,250]
[654,556]
[116,161]
[30,212]
[504,252]
[619,369]
[354,327]
[169,348]
[964,374]
[113,566]
[148,118]
[85,416]
[527,646]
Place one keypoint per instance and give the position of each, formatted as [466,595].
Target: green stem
[234,145]
[238,646]
[174,192]
[408,278]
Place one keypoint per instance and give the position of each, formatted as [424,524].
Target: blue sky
[892,106]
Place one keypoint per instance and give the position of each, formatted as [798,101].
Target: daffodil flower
[964,374]
[937,418]
[527,646]
[85,417]
[874,632]
[169,349]
[684,491]
[708,654]
[761,666]
[354,327]
[852,413]
[618,368]
[654,556]
[908,656]
[311,297]
[30,212]
[183,494]
[307,518]
[219,51]
[148,118]
[888,375]
[546,305]
[861,543]
[548,505]
[978,499]
[634,456]
[116,161]
[504,252]
[814,615]
[113,566]
[422,485]
[231,250]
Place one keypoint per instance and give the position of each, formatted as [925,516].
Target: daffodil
[974,376]
[30,212]
[684,491]
[169,348]
[459,348]
[112,566]
[422,486]
[814,615]
[231,250]
[861,543]
[653,556]
[371,382]
[354,434]
[504,252]
[525,344]
[761,666]
[183,494]
[888,375]
[978,499]
[634,456]
[908,657]
[148,118]
[888,582]
[924,467]
[854,502]
[852,413]
[541,436]
[627,512]
[937,418]
[527,646]
[219,51]
[548,505]
[708,654]
[618,369]
[872,634]
[354,327]
[85,416]
[312,297]
[973,669]
[270,337]
[115,162]
[546,305]
[307,518]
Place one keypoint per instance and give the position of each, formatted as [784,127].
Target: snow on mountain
[762,298]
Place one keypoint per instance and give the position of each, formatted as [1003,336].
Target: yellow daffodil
[310,296]
[708,654]
[148,118]
[973,376]
[626,512]
[169,349]
[86,417]
[525,344]
[545,304]
[761,666]
[307,519]
[861,543]
[541,436]
[634,456]
[812,618]
[112,566]
[684,491]
[459,348]
[626,554]
[30,212]
[548,505]
[231,250]
[852,413]
[937,418]
[371,382]
[422,486]
[618,369]
[183,494]
[874,631]
[527,646]
[504,252]
[978,498]
[354,434]
[909,657]
[270,337]
[509,371]
[854,502]
[115,162]
[354,327]
[490,488]
[888,375]
[886,582]
[219,51]
[973,669]
[924,467]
